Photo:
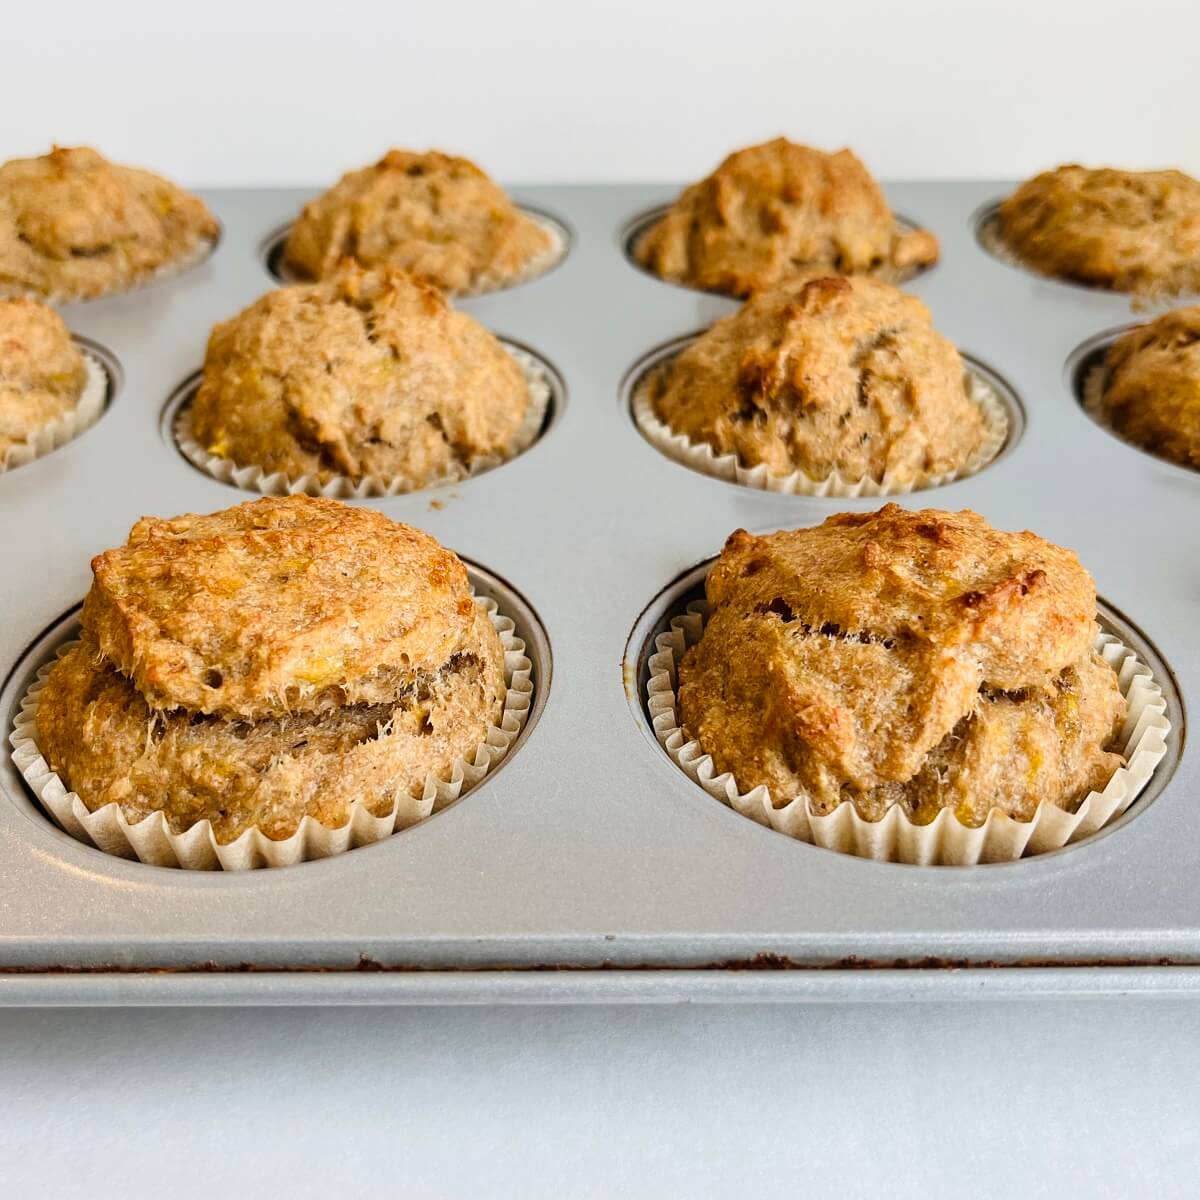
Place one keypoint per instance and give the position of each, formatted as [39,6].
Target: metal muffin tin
[589,867]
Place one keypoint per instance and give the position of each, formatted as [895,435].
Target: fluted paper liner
[488,281]
[70,425]
[702,457]
[191,257]
[152,841]
[895,838]
[341,487]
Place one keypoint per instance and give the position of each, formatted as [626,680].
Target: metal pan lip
[689,586]
[15,791]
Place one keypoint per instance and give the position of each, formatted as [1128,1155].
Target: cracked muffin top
[1151,391]
[1132,231]
[438,217]
[366,373]
[825,374]
[42,374]
[771,211]
[76,226]
[277,606]
[921,659]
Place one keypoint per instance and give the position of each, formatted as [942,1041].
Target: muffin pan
[588,851]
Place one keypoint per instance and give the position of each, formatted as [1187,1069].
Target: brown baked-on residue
[771,211]
[1151,393]
[72,224]
[366,373]
[283,658]
[42,373]
[434,215]
[825,374]
[1132,231]
[921,659]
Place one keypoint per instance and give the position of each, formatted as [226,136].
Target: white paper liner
[151,840]
[277,483]
[700,456]
[487,282]
[70,425]
[945,841]
[192,257]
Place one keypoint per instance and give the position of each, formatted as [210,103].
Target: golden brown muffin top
[1152,389]
[436,216]
[42,373]
[771,211]
[277,606]
[1133,231]
[367,373]
[836,660]
[825,374]
[73,224]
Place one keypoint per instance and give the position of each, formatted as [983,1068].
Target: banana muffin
[42,372]
[75,226]
[436,216]
[1132,231]
[770,211]
[283,658]
[366,373]
[825,374]
[920,659]
[1150,387]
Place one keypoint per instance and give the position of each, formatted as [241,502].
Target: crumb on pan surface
[73,224]
[434,215]
[366,373]
[42,372]
[912,658]
[824,374]
[1151,392]
[770,211]
[1132,231]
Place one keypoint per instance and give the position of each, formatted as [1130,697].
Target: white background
[1096,1098]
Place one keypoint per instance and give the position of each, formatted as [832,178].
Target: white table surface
[1093,1098]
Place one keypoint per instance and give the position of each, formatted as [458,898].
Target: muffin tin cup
[945,841]
[82,417]
[152,841]
[700,456]
[542,388]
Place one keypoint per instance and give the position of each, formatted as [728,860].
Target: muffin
[770,211]
[914,660]
[1132,231]
[436,216]
[75,226]
[1149,389]
[367,373]
[826,374]
[42,373]
[285,658]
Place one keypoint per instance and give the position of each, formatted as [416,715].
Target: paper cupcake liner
[701,457]
[190,258]
[277,483]
[70,425]
[152,841]
[895,838]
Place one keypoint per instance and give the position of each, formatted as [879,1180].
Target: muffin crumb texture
[369,373]
[775,210]
[1151,392]
[42,372]
[436,216]
[915,659]
[1131,231]
[826,374]
[75,226]
[284,658]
